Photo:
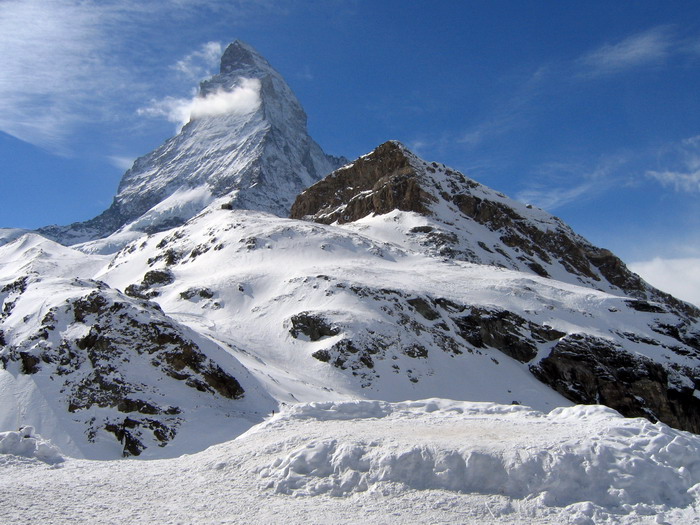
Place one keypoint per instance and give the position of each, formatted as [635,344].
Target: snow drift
[429,461]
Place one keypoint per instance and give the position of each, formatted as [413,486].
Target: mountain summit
[246,140]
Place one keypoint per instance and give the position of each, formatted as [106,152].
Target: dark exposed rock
[314,326]
[29,363]
[587,369]
[681,332]
[18,286]
[191,293]
[130,433]
[92,304]
[151,279]
[424,308]
[322,355]
[158,277]
[505,331]
[416,351]
[376,183]
[645,306]
[135,290]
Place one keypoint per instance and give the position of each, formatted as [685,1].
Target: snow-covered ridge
[571,455]
[460,218]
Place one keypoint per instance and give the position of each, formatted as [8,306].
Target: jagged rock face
[591,370]
[468,221]
[118,366]
[258,154]
[378,183]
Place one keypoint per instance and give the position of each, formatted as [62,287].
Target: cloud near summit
[243,99]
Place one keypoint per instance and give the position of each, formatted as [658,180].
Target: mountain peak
[241,56]
[259,160]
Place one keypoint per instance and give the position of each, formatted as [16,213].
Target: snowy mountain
[193,309]
[462,219]
[246,143]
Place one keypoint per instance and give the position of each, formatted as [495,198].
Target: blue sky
[590,109]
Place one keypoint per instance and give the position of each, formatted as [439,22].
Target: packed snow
[430,461]
[25,443]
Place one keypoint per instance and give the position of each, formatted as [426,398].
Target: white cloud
[200,63]
[650,46]
[552,198]
[123,163]
[70,63]
[244,98]
[679,277]
[511,113]
[689,182]
[51,66]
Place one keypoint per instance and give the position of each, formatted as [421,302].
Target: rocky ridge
[468,221]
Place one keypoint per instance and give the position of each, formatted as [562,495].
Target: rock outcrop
[116,364]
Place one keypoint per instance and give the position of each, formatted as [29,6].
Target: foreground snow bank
[431,461]
[28,444]
[571,455]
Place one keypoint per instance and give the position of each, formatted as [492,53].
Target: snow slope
[299,312]
[431,461]
[103,374]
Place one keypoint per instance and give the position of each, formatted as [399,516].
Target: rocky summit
[241,270]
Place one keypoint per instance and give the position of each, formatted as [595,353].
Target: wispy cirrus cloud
[509,114]
[641,49]
[52,68]
[121,162]
[200,62]
[557,184]
[684,173]
[70,63]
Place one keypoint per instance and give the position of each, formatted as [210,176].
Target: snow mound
[28,444]
[567,457]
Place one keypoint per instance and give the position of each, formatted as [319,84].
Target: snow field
[429,461]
